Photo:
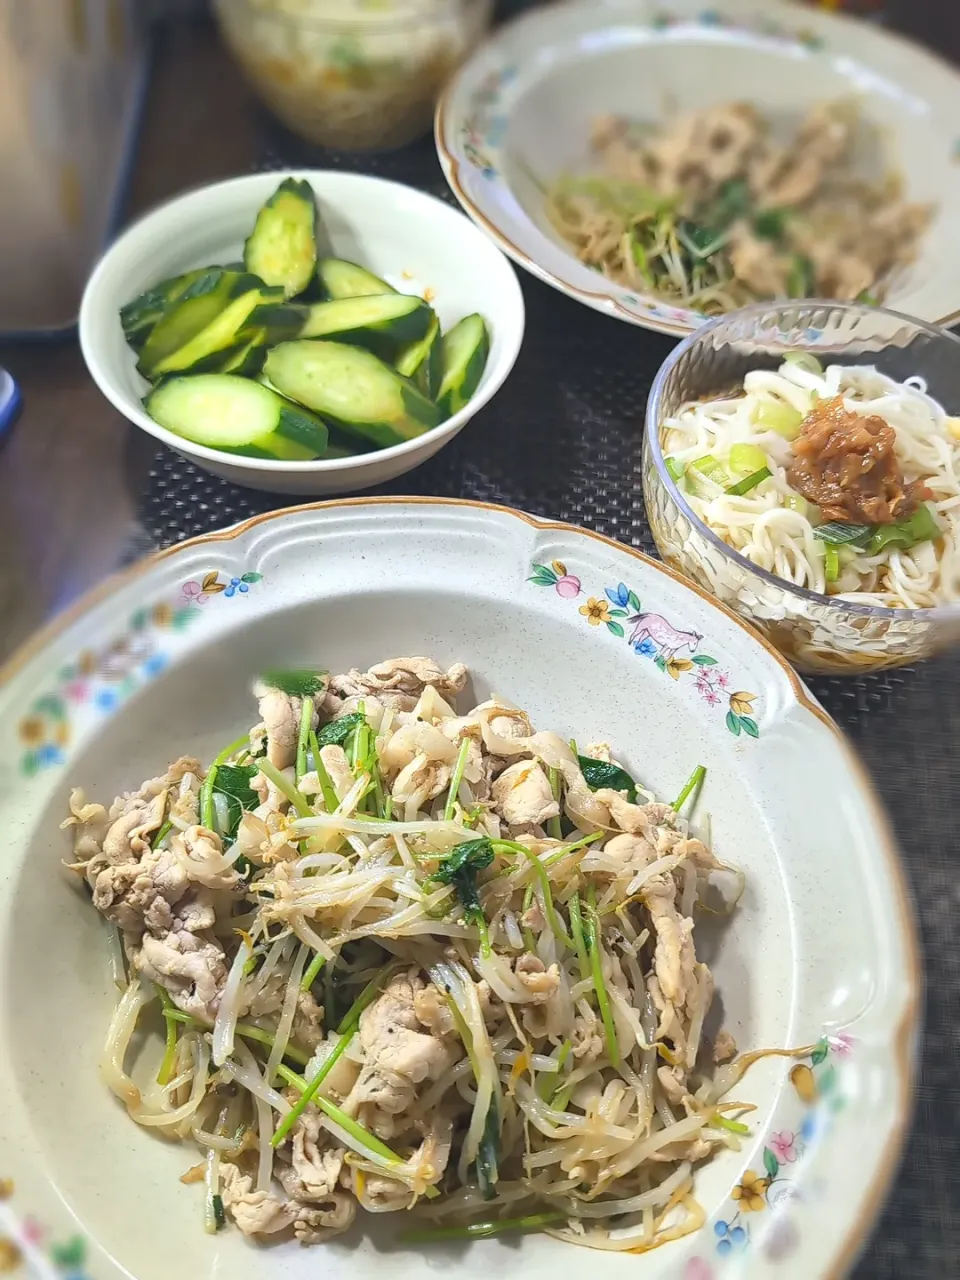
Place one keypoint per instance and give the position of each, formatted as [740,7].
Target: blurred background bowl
[816,632]
[343,73]
[415,242]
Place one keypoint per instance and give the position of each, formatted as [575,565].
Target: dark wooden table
[71,471]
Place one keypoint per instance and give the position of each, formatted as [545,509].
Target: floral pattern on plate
[675,652]
[816,1083]
[102,679]
[26,1248]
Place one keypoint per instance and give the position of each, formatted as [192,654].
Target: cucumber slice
[197,328]
[464,353]
[381,322]
[422,361]
[351,388]
[236,415]
[246,358]
[282,248]
[139,317]
[340,279]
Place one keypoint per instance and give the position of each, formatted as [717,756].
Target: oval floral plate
[518,114]
[594,640]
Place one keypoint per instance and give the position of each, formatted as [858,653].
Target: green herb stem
[251,1032]
[162,834]
[603,1000]
[306,728]
[735,1126]
[529,941]
[694,782]
[543,880]
[284,786]
[576,929]
[554,829]
[481,1230]
[347,1123]
[313,971]
[327,789]
[456,778]
[347,1029]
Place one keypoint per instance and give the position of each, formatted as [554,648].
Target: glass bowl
[817,633]
[357,74]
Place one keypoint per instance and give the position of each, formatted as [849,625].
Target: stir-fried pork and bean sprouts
[411,959]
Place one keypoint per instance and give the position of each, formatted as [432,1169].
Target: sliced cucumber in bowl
[464,353]
[353,389]
[237,415]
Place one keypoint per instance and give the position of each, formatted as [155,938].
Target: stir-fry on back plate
[663,162]
[580,926]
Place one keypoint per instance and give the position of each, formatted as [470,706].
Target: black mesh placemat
[562,440]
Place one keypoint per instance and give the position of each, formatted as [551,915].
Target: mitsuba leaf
[338,731]
[601,773]
[297,684]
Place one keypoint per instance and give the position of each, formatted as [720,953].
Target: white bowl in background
[518,114]
[412,240]
[819,952]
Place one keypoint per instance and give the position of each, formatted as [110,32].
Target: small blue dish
[10,402]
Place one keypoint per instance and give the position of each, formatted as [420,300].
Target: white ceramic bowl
[412,240]
[819,952]
[519,112]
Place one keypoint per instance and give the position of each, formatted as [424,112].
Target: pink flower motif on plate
[698,1269]
[568,587]
[841,1045]
[193,593]
[783,1145]
[76,690]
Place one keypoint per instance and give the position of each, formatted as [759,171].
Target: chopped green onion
[596,968]
[694,781]
[840,532]
[794,502]
[456,778]
[775,415]
[542,878]
[922,526]
[481,1230]
[831,561]
[284,786]
[804,360]
[306,727]
[746,458]
[554,829]
[313,971]
[705,476]
[327,789]
[749,482]
[675,468]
